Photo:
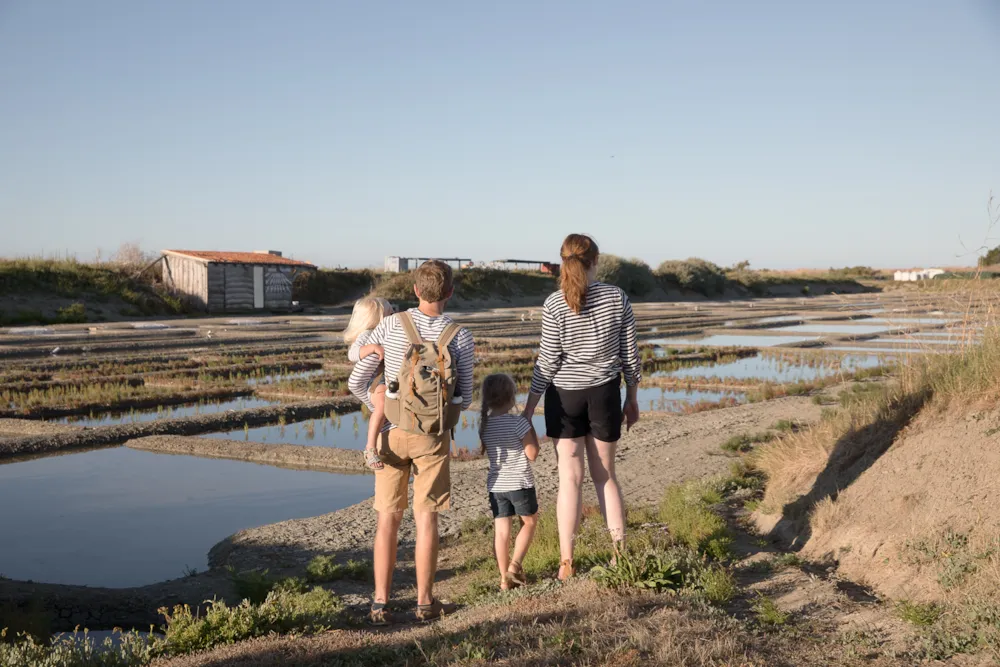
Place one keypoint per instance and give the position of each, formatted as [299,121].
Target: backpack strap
[448,335]
[411,331]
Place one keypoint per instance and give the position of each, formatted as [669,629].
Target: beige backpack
[425,401]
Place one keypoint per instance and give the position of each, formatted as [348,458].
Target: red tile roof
[240,257]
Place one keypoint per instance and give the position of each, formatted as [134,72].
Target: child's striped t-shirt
[510,469]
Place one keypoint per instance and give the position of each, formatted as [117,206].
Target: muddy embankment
[39,443]
[298,457]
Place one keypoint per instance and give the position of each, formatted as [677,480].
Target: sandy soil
[660,450]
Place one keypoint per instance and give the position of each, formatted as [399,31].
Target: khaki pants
[428,457]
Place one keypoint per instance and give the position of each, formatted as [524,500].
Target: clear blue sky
[792,134]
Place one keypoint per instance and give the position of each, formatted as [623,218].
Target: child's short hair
[368,312]
[498,391]
[434,281]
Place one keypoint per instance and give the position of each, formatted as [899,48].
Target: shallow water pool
[839,328]
[119,517]
[733,340]
[774,369]
[166,412]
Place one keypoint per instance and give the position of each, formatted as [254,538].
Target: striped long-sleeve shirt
[390,335]
[354,353]
[589,349]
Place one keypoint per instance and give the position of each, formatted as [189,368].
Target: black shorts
[574,413]
[522,502]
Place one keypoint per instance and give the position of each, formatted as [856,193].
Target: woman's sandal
[504,583]
[515,575]
[566,570]
[372,459]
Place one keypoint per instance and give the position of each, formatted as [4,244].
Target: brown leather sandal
[515,575]
[566,570]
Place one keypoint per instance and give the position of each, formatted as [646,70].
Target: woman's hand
[530,405]
[630,413]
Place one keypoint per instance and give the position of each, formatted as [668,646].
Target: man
[429,456]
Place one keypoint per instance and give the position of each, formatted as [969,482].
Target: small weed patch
[323,569]
[744,442]
[653,570]
[685,510]
[922,614]
[768,614]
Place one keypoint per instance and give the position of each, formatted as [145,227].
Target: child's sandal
[372,459]
[515,575]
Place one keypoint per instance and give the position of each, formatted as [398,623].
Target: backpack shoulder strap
[448,335]
[411,331]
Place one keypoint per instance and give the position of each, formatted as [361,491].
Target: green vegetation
[744,442]
[632,275]
[786,426]
[282,612]
[131,649]
[686,510]
[768,614]
[921,614]
[323,569]
[695,275]
[330,287]
[651,570]
[471,284]
[81,283]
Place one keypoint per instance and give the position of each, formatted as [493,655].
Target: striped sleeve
[549,353]
[523,427]
[465,346]
[364,371]
[629,353]
[354,354]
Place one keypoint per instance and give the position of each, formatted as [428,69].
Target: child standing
[510,443]
[368,312]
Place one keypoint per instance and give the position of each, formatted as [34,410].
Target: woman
[588,343]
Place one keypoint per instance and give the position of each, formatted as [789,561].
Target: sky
[790,134]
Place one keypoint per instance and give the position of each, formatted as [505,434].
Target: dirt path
[661,449]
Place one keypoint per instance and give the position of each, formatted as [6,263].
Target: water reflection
[120,517]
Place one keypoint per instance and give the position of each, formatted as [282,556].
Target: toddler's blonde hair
[368,312]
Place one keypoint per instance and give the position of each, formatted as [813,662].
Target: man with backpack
[428,375]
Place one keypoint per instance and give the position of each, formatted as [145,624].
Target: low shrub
[130,649]
[281,612]
[632,275]
[253,585]
[693,274]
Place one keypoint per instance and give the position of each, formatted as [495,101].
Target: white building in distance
[917,274]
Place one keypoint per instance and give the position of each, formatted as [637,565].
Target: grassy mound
[898,488]
[43,291]
[478,285]
[330,287]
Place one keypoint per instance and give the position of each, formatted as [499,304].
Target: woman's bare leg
[569,506]
[601,458]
